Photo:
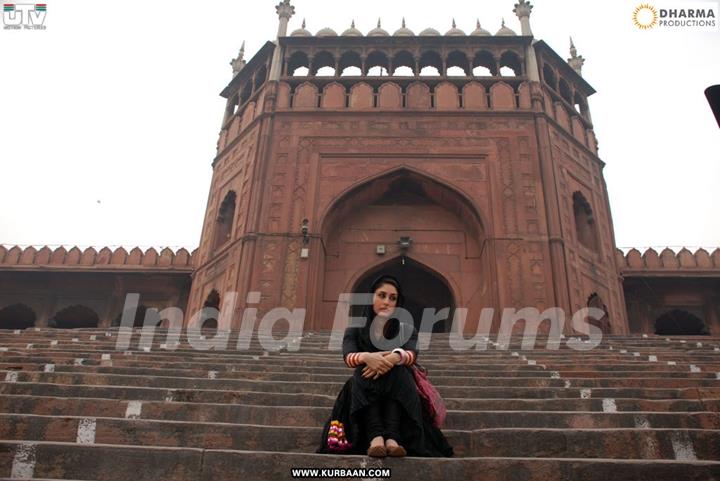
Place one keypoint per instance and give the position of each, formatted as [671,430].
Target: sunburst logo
[645,16]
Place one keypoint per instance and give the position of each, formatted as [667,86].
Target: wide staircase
[73,406]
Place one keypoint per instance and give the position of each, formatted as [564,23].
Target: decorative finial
[285,10]
[403,22]
[352,24]
[454,25]
[575,61]
[503,22]
[303,24]
[378,22]
[523,9]
[239,62]
[478,23]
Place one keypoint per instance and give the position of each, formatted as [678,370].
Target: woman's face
[384,300]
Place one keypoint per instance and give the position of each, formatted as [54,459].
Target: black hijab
[392,327]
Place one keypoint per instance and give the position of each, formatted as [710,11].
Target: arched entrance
[17,316]
[679,322]
[421,287]
[411,214]
[74,317]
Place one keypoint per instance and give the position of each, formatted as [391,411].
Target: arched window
[484,64]
[585,228]
[580,105]
[209,320]
[458,64]
[680,322]
[350,64]
[565,91]
[225,219]
[298,65]
[74,317]
[246,92]
[231,108]
[260,77]
[17,316]
[403,64]
[549,77]
[510,64]
[604,322]
[431,64]
[377,64]
[323,64]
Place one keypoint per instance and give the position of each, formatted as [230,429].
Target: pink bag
[430,397]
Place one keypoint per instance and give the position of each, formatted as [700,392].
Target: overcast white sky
[118,102]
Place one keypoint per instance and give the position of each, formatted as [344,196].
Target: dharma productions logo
[27,16]
[683,16]
[645,16]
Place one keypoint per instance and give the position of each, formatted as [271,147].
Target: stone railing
[667,262]
[75,259]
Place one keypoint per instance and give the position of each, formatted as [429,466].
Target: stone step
[181,395]
[592,443]
[336,366]
[216,397]
[310,416]
[188,351]
[158,391]
[538,378]
[335,360]
[249,371]
[469,387]
[120,463]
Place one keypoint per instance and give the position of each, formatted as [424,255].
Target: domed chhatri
[505,31]
[429,32]
[301,32]
[378,31]
[403,31]
[479,31]
[352,31]
[326,32]
[454,31]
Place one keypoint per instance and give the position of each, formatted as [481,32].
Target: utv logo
[26,16]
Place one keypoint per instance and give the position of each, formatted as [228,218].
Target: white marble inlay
[23,466]
[609,405]
[134,409]
[86,431]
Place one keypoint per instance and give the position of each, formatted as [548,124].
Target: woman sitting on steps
[378,411]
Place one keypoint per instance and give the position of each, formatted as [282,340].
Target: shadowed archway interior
[421,287]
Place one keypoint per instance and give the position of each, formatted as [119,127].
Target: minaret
[575,61]
[284,11]
[239,62]
[523,9]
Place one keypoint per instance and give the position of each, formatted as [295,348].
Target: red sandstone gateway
[479,187]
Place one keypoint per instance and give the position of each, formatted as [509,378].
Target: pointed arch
[224,220]
[585,225]
[680,322]
[372,187]
[17,316]
[209,321]
[423,287]
[74,317]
